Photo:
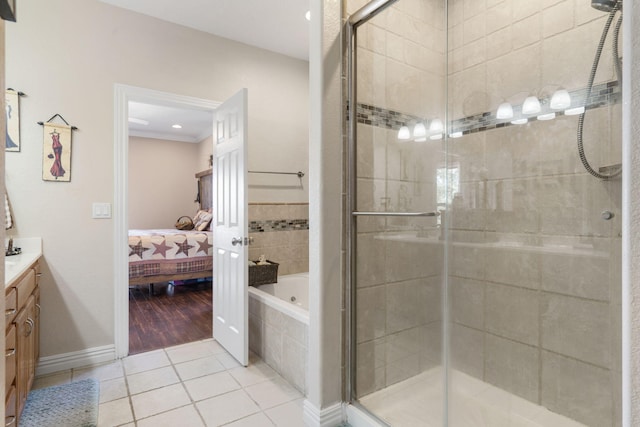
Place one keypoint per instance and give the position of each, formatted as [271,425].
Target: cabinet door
[10,305]
[10,357]
[10,409]
[25,351]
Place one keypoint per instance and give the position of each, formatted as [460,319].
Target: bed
[169,255]
[163,255]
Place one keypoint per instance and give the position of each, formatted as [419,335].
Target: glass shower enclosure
[484,200]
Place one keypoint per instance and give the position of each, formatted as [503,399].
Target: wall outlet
[101,210]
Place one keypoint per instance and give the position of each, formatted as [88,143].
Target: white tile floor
[417,402]
[196,384]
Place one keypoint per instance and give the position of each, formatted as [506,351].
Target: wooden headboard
[205,193]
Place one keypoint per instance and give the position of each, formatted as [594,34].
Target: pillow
[198,215]
[203,220]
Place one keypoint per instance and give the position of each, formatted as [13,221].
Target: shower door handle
[395,213]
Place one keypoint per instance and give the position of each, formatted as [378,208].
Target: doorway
[123,96]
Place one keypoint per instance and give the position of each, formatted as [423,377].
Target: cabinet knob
[38,307]
[30,323]
[10,352]
[10,312]
[10,421]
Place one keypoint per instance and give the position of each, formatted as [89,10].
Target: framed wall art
[12,107]
[8,10]
[56,152]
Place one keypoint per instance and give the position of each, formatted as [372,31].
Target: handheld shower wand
[612,7]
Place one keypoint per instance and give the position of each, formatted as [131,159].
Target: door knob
[236,241]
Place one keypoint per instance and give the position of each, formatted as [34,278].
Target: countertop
[15,265]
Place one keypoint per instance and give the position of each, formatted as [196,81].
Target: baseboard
[327,417]
[76,359]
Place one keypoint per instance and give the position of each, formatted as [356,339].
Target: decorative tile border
[278,225]
[601,95]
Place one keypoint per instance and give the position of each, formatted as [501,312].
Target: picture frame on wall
[12,111]
[56,152]
[8,10]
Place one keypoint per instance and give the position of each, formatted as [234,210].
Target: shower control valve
[607,215]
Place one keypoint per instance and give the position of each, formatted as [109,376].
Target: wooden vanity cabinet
[22,336]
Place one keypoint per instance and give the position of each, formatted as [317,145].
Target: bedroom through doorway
[168,297]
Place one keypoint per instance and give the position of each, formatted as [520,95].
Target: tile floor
[196,384]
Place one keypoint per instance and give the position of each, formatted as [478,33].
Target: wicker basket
[263,274]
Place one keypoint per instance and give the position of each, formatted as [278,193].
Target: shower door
[484,212]
[399,191]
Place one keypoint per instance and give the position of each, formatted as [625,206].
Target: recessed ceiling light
[308,15]
[138,121]
[177,126]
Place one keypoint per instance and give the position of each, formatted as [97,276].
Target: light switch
[101,210]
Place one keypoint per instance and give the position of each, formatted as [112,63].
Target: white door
[230,288]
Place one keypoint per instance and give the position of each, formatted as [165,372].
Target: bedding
[169,254]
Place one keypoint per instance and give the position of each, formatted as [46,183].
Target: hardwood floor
[173,315]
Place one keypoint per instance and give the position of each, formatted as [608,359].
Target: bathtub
[292,289]
[279,326]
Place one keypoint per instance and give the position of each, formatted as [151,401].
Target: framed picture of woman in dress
[12,107]
[56,152]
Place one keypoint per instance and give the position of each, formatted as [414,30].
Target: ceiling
[156,121]
[276,25]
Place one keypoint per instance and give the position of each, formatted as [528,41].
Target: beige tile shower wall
[401,67]
[401,58]
[534,269]
[506,50]
[289,248]
[398,313]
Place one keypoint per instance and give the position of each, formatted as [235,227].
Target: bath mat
[69,405]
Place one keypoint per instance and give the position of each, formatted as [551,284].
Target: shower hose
[592,76]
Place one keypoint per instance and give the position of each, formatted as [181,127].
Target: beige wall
[325,362]
[205,148]
[162,183]
[70,68]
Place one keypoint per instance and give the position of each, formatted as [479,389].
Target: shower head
[604,5]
